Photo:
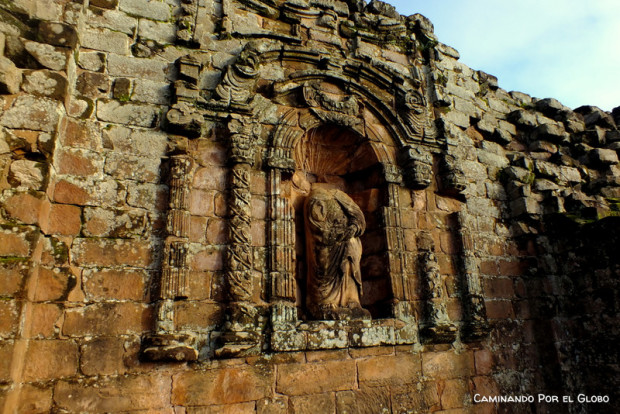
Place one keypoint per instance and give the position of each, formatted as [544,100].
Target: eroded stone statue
[333,226]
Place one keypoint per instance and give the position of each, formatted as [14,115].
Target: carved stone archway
[266,118]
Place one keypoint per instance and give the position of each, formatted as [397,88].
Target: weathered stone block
[250,384]
[603,157]
[128,113]
[390,370]
[128,167]
[127,66]
[50,359]
[30,112]
[10,76]
[54,58]
[93,84]
[111,252]
[151,9]
[103,356]
[113,284]
[106,319]
[79,162]
[45,83]
[57,34]
[316,378]
[53,284]
[447,365]
[315,403]
[27,174]
[149,392]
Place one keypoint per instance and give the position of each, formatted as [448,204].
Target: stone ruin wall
[154,158]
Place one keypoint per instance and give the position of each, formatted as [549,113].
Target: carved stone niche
[337,197]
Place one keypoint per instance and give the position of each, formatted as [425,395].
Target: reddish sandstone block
[148,392]
[211,178]
[201,203]
[258,231]
[484,361]
[316,378]
[111,252]
[14,244]
[389,370]
[68,193]
[198,229]
[447,365]
[44,321]
[230,385]
[209,259]
[371,351]
[217,231]
[485,385]
[489,268]
[103,356]
[6,356]
[315,403]
[112,284]
[278,405]
[499,309]
[23,207]
[241,408]
[221,204]
[194,315]
[422,398]
[118,318]
[513,268]
[34,399]
[366,400]
[77,135]
[50,359]
[9,315]
[499,287]
[210,153]
[12,277]
[63,219]
[455,394]
[78,162]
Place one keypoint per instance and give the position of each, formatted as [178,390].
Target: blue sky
[565,49]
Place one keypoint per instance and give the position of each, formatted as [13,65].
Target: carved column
[476,324]
[437,327]
[401,274]
[166,343]
[242,332]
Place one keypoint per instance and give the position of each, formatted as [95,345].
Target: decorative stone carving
[418,167]
[345,111]
[411,107]
[333,226]
[186,23]
[237,86]
[166,343]
[437,326]
[476,324]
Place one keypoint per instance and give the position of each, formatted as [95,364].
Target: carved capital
[418,167]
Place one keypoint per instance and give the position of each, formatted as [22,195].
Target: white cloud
[569,50]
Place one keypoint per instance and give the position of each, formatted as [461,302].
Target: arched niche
[332,156]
